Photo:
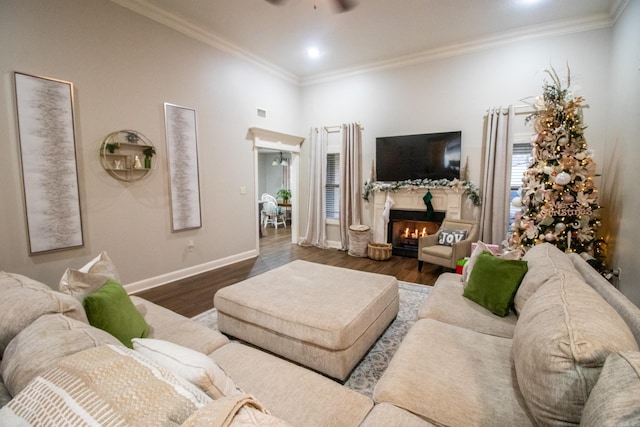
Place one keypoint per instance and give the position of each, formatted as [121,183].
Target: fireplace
[406,227]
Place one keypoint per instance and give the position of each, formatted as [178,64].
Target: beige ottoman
[320,316]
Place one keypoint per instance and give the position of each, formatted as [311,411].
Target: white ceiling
[376,33]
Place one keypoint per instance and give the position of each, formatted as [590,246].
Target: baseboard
[334,244]
[163,279]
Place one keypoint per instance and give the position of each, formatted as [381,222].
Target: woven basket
[380,251]
[358,240]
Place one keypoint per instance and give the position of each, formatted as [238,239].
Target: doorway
[274,179]
[289,146]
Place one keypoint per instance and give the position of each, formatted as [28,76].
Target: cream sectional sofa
[40,328]
[570,356]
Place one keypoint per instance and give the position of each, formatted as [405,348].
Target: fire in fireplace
[406,227]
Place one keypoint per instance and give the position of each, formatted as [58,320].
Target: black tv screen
[430,155]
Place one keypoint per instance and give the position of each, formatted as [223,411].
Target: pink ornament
[568,198]
[549,237]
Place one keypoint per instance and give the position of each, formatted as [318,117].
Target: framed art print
[182,157]
[48,162]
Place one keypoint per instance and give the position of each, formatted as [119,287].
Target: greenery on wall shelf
[149,152]
[111,147]
[284,194]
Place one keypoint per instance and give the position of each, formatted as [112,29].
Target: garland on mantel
[469,187]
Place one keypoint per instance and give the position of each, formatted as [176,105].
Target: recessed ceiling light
[313,53]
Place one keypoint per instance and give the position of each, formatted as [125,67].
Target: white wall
[271,178]
[622,164]
[124,67]
[454,93]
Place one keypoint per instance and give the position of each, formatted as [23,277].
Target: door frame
[264,138]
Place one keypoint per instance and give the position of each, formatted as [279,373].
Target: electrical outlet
[243,190]
[190,245]
[617,272]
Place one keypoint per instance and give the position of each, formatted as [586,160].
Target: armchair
[447,256]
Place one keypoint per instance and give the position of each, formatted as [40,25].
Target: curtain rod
[337,128]
[530,109]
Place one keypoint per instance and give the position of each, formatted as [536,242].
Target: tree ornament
[560,227]
[549,237]
[563,178]
[516,202]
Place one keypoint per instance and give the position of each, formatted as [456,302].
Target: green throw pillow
[111,309]
[494,281]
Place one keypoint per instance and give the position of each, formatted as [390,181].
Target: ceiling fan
[342,5]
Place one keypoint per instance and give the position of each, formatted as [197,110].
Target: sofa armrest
[425,241]
[461,249]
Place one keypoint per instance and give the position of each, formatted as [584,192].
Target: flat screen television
[430,155]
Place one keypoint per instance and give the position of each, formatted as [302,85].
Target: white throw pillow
[89,278]
[480,248]
[196,367]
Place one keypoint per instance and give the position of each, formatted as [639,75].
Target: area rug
[367,373]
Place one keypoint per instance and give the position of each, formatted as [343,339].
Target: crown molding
[502,39]
[617,8]
[555,29]
[176,23]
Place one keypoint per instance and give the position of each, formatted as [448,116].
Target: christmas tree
[558,198]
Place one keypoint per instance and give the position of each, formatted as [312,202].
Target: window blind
[520,159]
[332,199]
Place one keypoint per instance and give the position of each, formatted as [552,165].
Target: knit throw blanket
[115,386]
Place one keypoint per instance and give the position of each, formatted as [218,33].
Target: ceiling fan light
[313,52]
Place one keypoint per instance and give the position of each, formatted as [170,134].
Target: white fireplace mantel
[446,200]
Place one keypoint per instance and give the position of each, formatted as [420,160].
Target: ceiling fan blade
[275,2]
[345,5]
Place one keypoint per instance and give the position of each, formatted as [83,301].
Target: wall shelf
[122,154]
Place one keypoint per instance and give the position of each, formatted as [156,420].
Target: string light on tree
[558,201]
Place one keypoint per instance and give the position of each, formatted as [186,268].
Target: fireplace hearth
[406,227]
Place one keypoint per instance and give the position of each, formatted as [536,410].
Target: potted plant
[111,147]
[148,154]
[284,194]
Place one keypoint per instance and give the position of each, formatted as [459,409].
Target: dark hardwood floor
[194,295]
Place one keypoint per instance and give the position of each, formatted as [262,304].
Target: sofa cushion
[106,385]
[89,278]
[290,392]
[170,326]
[111,309]
[386,414]
[615,399]
[545,261]
[23,300]
[446,304]
[493,282]
[560,345]
[454,376]
[43,344]
[627,309]
[195,367]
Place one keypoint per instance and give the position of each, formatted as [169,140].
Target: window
[332,199]
[520,159]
